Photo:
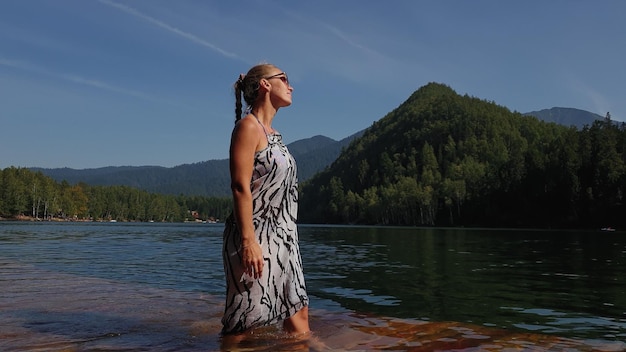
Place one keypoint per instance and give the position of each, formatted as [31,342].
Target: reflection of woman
[264,279]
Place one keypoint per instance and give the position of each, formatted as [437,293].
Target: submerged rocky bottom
[47,310]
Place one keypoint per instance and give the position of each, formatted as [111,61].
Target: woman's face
[280,89]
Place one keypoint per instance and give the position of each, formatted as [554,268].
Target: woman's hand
[252,258]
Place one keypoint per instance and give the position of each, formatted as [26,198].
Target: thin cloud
[600,103]
[332,29]
[158,23]
[339,50]
[25,66]
[345,38]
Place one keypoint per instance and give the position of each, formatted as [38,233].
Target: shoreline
[52,219]
[24,218]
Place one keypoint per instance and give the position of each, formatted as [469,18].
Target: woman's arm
[245,142]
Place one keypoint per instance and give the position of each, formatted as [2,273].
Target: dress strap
[257,120]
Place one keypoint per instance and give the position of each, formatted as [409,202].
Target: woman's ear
[264,83]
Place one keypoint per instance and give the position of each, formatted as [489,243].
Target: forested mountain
[449,160]
[207,178]
[566,116]
[211,178]
[439,159]
[318,155]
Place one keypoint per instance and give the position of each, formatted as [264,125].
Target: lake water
[160,287]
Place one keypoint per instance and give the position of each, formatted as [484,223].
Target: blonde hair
[248,86]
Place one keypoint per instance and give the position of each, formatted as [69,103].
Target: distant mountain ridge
[212,178]
[566,116]
[207,178]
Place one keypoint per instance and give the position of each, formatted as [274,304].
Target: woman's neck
[265,116]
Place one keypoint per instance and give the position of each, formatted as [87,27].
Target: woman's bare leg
[298,323]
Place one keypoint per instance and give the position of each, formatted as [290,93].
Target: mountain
[313,155]
[211,178]
[566,116]
[207,178]
[442,159]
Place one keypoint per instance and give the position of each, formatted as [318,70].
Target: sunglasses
[282,76]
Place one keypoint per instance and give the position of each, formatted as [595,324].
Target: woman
[264,278]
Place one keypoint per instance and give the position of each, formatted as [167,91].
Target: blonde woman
[264,279]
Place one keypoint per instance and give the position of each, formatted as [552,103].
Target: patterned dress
[281,291]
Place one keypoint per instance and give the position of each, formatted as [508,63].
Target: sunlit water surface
[160,287]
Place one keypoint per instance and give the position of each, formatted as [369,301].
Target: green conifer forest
[439,159]
[442,159]
[32,195]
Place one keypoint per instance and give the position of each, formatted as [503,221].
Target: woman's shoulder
[248,131]
[247,124]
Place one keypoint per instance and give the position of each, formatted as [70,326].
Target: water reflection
[160,288]
[475,276]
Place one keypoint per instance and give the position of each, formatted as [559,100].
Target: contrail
[25,66]
[72,78]
[188,36]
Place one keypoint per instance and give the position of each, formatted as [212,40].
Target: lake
[160,287]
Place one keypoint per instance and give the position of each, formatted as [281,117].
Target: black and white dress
[281,291]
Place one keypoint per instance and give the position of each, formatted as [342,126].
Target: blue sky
[94,83]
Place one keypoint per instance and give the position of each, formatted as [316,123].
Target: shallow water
[159,287]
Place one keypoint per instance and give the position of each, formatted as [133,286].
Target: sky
[95,83]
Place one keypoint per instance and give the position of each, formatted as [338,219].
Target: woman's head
[248,85]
